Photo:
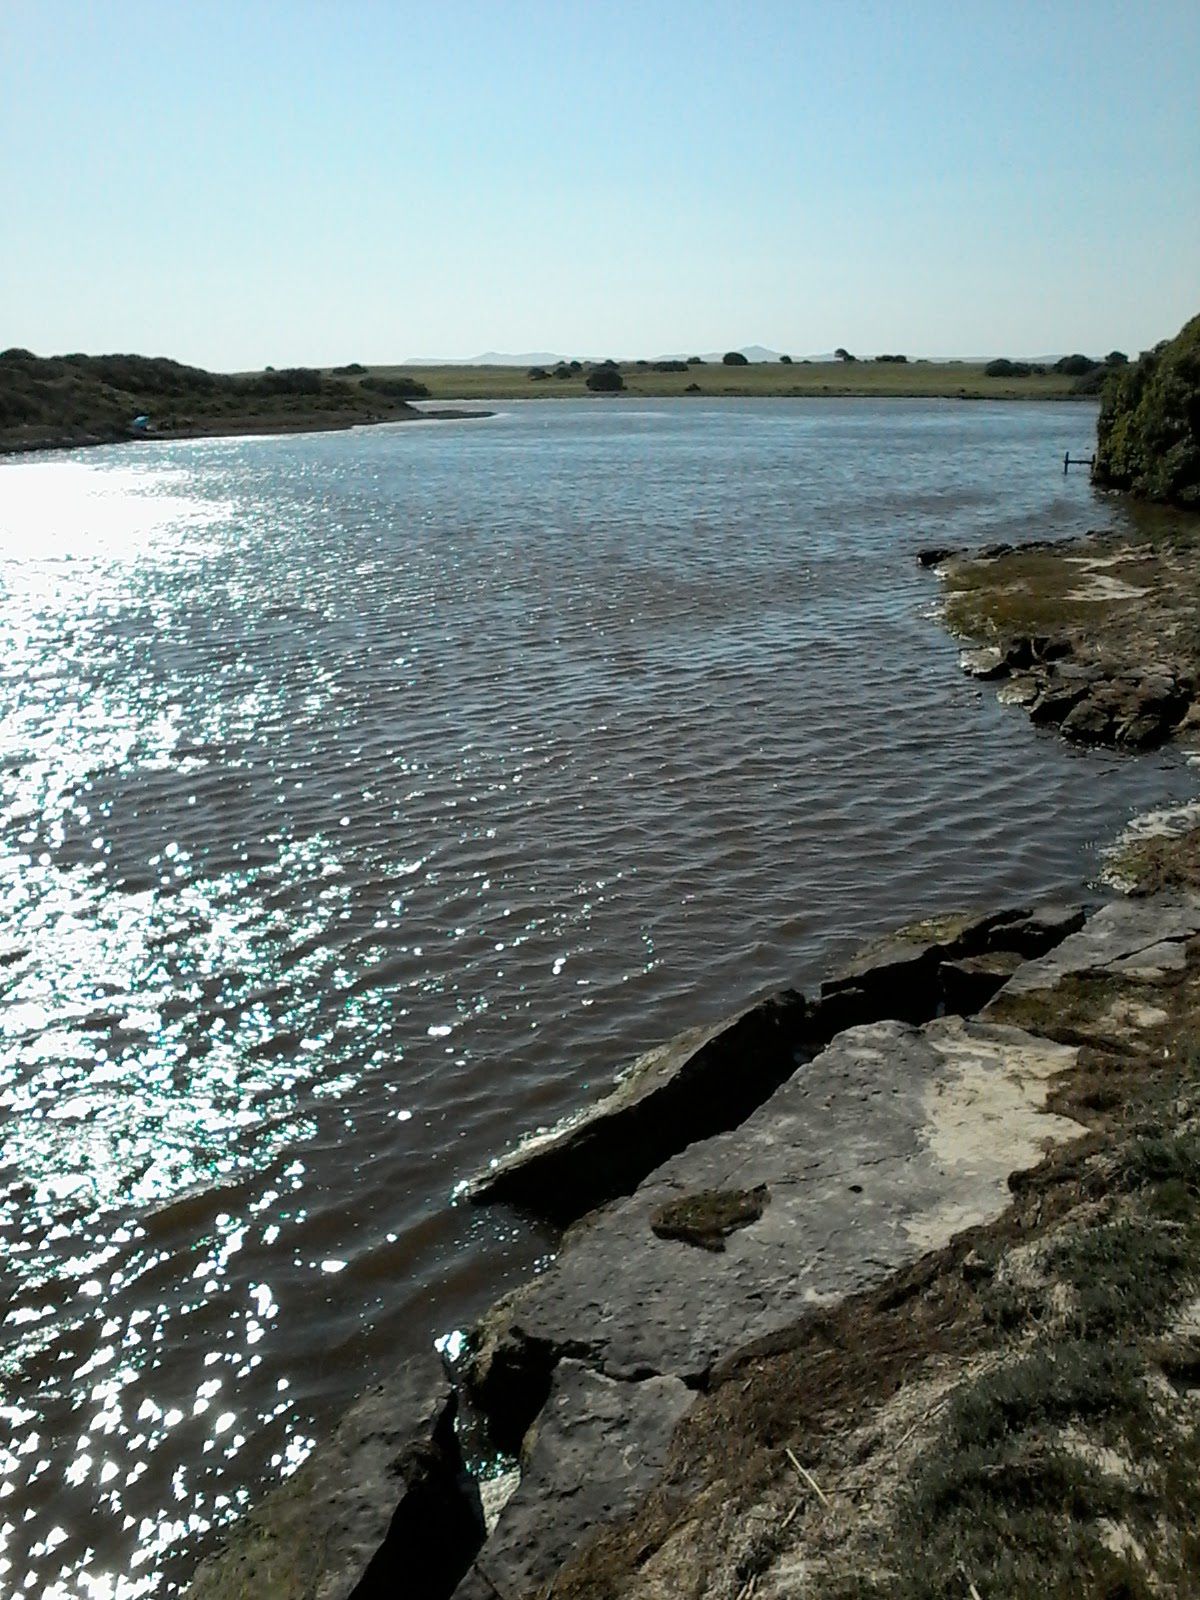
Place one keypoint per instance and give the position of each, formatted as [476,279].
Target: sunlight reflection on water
[367,799]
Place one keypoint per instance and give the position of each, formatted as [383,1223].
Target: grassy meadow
[876,380]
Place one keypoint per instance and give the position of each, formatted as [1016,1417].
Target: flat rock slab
[696,1083]
[906,962]
[709,1079]
[888,1143]
[598,1446]
[383,1507]
[1133,937]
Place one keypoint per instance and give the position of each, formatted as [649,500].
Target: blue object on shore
[140,422]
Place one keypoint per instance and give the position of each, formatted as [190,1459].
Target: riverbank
[70,402]
[1098,637]
[928,1309]
[888,1290]
[250,425]
[912,380]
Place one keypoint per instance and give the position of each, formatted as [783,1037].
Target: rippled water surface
[367,798]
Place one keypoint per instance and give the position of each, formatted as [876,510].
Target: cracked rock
[596,1449]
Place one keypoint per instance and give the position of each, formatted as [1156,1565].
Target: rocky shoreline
[861,1292]
[1097,637]
[926,1079]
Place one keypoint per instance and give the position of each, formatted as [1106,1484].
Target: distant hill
[548,358]
[48,401]
[489,358]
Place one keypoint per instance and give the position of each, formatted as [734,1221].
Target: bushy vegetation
[605,379]
[401,388]
[1149,426]
[1002,367]
[1075,366]
[81,398]
[735,358]
[891,358]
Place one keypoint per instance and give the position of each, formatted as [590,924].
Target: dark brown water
[368,798]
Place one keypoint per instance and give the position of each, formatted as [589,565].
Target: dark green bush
[1148,432]
[1075,366]
[735,358]
[401,388]
[605,379]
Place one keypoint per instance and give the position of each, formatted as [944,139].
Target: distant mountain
[547,358]
[489,358]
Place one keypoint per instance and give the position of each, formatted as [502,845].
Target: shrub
[606,379]
[1003,368]
[670,366]
[1075,366]
[842,354]
[1148,432]
[735,358]
[1116,358]
[291,380]
[891,358]
[562,370]
[537,374]
[696,361]
[402,388]
[786,360]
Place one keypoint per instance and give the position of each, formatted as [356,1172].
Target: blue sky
[237,184]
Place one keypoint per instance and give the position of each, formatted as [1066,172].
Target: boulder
[696,1084]
[1118,935]
[383,1507]
[888,1143]
[710,1079]
[596,1448]
[900,975]
[970,982]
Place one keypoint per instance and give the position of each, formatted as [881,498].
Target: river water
[367,798]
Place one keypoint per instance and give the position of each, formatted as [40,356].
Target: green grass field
[914,379]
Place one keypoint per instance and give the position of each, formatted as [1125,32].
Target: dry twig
[807,1476]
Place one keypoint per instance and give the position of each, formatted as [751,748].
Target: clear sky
[243,183]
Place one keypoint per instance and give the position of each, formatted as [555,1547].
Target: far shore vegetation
[71,400]
[881,377]
[84,399]
[62,401]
